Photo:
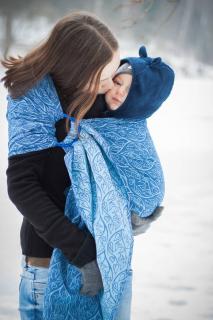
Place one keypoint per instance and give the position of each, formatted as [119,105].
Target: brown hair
[74,54]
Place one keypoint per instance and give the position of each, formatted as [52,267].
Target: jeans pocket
[39,286]
[38,290]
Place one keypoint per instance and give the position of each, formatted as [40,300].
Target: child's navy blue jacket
[151,85]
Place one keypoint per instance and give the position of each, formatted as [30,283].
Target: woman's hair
[74,54]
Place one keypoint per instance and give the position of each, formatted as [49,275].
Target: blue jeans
[31,292]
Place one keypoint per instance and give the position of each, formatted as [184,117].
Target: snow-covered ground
[173,260]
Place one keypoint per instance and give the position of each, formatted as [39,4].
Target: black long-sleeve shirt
[37,182]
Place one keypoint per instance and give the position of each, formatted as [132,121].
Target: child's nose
[121,92]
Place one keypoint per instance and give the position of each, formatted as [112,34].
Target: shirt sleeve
[25,190]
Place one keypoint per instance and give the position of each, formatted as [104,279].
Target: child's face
[116,96]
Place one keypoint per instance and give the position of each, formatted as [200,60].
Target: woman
[81,55]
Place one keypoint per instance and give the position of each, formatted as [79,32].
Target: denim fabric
[31,292]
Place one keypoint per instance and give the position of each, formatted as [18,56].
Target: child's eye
[117,82]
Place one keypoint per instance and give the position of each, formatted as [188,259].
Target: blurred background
[173,260]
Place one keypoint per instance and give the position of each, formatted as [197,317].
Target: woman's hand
[92,281]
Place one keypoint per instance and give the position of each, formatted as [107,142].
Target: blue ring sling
[114,170]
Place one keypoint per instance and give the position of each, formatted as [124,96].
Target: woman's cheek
[108,99]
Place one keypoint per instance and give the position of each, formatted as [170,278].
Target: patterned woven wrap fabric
[114,169]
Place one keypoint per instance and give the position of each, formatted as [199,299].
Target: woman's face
[118,93]
[108,73]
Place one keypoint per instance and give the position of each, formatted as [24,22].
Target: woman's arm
[24,176]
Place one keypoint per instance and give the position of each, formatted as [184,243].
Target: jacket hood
[151,85]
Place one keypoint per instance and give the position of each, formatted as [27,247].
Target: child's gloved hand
[92,281]
[140,225]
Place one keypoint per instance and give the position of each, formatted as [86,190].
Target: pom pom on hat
[142,52]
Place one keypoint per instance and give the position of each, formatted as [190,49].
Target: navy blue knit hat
[151,85]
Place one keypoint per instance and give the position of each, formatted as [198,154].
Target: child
[114,99]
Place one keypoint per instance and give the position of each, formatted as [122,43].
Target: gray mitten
[92,281]
[140,225]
